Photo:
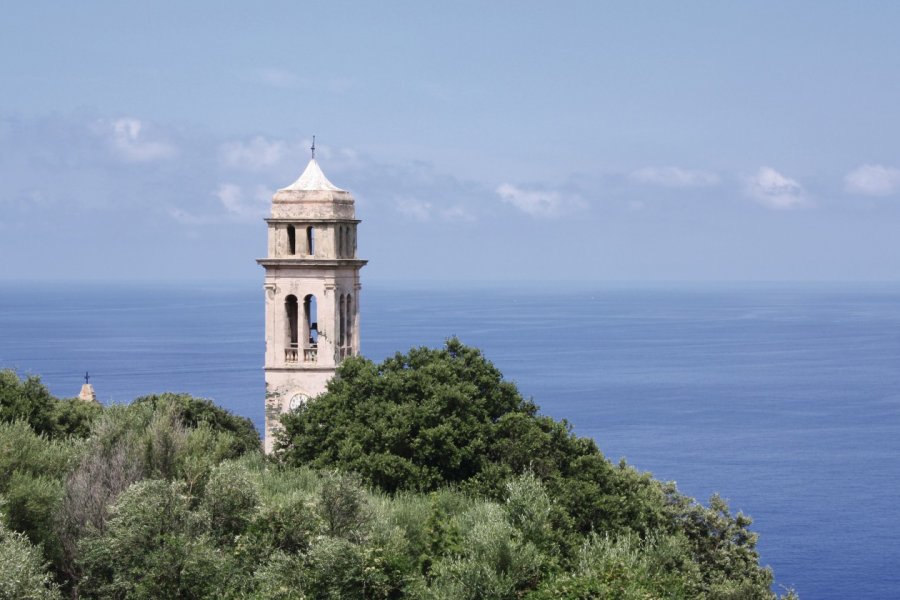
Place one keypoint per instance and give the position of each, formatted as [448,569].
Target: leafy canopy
[416,421]
[171,497]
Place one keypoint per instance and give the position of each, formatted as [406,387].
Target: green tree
[197,411]
[343,506]
[30,401]
[23,572]
[231,501]
[27,400]
[494,561]
[429,418]
[627,568]
[32,471]
[416,421]
[154,546]
[171,497]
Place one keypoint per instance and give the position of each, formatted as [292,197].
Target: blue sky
[651,141]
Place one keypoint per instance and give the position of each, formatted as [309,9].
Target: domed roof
[313,180]
[312,196]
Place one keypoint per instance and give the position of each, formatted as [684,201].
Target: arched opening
[310,329]
[342,325]
[292,337]
[351,251]
[348,336]
[310,240]
[292,239]
[340,248]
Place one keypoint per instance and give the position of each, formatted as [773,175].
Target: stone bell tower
[311,289]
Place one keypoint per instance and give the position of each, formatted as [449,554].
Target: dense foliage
[170,497]
[421,420]
[30,401]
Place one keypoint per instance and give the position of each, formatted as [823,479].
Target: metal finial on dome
[313,179]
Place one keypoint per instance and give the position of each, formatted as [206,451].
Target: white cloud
[773,190]
[256,154]
[674,177]
[239,205]
[281,157]
[873,180]
[538,203]
[128,138]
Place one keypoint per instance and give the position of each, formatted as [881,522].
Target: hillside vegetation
[426,476]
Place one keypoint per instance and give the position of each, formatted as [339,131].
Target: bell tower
[311,291]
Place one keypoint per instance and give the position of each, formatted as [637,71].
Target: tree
[171,497]
[431,418]
[416,421]
[30,401]
[23,573]
[27,400]
[154,546]
[197,411]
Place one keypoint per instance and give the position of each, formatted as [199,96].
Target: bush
[494,561]
[431,418]
[170,497]
[343,506]
[415,422]
[25,451]
[30,401]
[23,573]
[231,501]
[31,505]
[154,546]
[627,568]
[197,411]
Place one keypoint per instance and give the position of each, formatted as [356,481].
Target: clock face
[297,400]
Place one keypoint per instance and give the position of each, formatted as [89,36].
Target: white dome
[313,180]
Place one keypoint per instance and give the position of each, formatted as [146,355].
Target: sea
[782,398]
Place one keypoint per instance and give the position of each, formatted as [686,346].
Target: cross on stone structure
[87,377]
[313,148]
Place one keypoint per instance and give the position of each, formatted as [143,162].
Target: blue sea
[785,399]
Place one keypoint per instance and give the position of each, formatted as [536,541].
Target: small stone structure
[311,291]
[87,393]
[87,390]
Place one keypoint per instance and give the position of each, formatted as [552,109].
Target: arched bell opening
[292,240]
[348,334]
[310,329]
[292,332]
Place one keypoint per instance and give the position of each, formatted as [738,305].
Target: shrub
[343,506]
[493,561]
[195,411]
[153,547]
[23,573]
[231,500]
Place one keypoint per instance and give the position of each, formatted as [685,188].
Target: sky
[483,141]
